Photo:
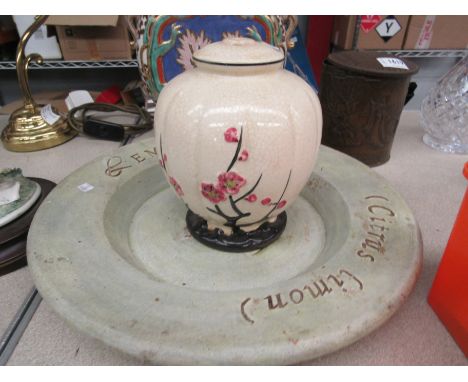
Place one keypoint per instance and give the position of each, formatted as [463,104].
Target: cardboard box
[92,37]
[437,32]
[85,20]
[375,32]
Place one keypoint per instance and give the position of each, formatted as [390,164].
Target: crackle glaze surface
[118,263]
[237,143]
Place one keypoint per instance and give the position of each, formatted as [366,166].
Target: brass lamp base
[28,131]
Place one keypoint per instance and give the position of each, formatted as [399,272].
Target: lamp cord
[77,121]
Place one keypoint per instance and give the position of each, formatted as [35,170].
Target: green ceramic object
[17,194]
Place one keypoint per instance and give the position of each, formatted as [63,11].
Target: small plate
[20,225]
[29,192]
[109,251]
[13,235]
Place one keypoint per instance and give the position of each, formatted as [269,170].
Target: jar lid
[373,63]
[239,51]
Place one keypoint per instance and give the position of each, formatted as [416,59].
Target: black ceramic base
[239,241]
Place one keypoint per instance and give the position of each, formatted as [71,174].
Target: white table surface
[432,184]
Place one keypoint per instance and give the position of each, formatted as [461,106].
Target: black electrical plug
[103,129]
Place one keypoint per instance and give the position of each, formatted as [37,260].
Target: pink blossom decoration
[230,135]
[244,155]
[251,198]
[266,201]
[213,193]
[176,186]
[230,182]
[190,42]
[282,204]
[165,158]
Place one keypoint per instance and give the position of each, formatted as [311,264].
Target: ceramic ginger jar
[237,138]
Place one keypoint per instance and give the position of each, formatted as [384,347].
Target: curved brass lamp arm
[22,61]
